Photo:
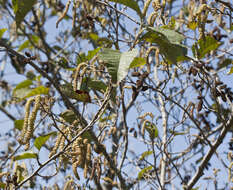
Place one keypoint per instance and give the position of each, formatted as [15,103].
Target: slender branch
[125,126]
[164,122]
[7,113]
[209,154]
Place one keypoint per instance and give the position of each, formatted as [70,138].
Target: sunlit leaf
[23,90]
[28,44]
[192,25]
[93,36]
[125,61]
[24,84]
[145,154]
[25,156]
[137,62]
[117,63]
[81,57]
[38,91]
[21,93]
[144,171]
[130,3]
[171,35]
[111,59]
[2,31]
[152,130]
[231,71]
[92,53]
[205,46]
[18,124]
[40,141]
[168,42]
[21,9]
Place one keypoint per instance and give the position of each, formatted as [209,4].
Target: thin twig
[209,155]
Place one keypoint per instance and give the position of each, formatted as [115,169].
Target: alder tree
[116,94]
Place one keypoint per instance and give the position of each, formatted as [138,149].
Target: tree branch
[210,153]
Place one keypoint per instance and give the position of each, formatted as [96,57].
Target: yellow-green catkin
[25,124]
[76,75]
[31,121]
[147,3]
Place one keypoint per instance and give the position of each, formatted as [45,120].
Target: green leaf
[92,53]
[79,95]
[145,154]
[24,84]
[37,91]
[204,46]
[40,141]
[28,44]
[104,42]
[192,25]
[63,63]
[170,35]
[26,155]
[231,71]
[152,130]
[21,93]
[21,9]
[125,61]
[2,31]
[81,57]
[111,59]
[92,84]
[68,115]
[18,124]
[225,63]
[144,171]
[168,42]
[23,90]
[137,62]
[131,4]
[2,185]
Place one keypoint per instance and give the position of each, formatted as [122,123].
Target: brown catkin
[88,155]
[85,170]
[98,170]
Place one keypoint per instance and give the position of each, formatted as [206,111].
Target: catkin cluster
[81,70]
[29,121]
[81,156]
[60,141]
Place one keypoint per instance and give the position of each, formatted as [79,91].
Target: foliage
[118,94]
